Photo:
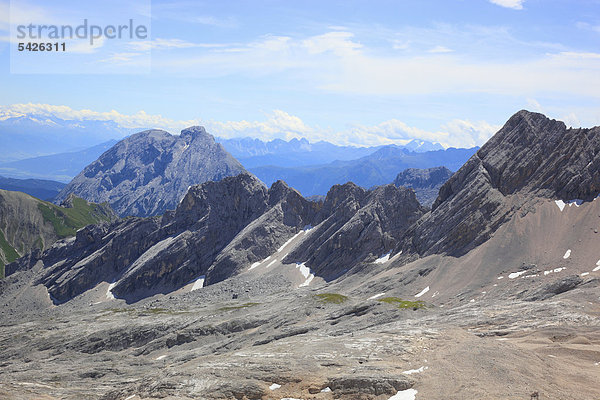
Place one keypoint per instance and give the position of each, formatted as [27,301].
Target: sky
[349,72]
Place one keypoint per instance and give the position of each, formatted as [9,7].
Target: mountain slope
[531,157]
[27,223]
[42,189]
[425,182]
[150,172]
[378,168]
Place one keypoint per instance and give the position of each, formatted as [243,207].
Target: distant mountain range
[60,167]
[300,152]
[378,168]
[311,168]
[34,135]
[42,189]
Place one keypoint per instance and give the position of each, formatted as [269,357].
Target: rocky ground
[260,336]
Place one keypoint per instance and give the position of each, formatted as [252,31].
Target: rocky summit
[150,172]
[425,182]
[248,292]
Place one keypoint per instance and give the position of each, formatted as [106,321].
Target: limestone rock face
[425,182]
[532,156]
[355,224]
[150,172]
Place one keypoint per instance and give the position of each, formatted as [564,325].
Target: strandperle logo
[84,31]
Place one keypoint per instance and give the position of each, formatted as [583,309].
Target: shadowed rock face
[355,224]
[532,156]
[425,182]
[149,172]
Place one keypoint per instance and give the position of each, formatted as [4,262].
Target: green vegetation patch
[237,307]
[333,298]
[403,304]
[66,221]
[9,252]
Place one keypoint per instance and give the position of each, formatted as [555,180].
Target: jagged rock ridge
[219,229]
[531,157]
[150,172]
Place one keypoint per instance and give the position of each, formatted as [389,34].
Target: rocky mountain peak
[195,132]
[150,172]
[531,156]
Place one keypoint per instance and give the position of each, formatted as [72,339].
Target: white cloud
[166,44]
[140,119]
[337,62]
[277,125]
[440,49]
[514,4]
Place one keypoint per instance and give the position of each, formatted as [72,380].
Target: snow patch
[596,269]
[308,228]
[199,283]
[515,275]
[500,277]
[376,296]
[256,264]
[415,371]
[289,241]
[161,357]
[130,397]
[576,202]
[422,292]
[585,274]
[561,204]
[554,270]
[567,254]
[109,294]
[274,386]
[435,294]
[408,394]
[328,389]
[383,259]
[306,273]
[271,263]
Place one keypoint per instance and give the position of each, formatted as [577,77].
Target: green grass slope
[27,223]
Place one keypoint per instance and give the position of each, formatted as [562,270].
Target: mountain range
[60,167]
[378,168]
[30,136]
[254,153]
[40,188]
[249,291]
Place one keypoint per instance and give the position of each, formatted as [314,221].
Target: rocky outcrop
[355,224]
[425,182]
[532,156]
[150,172]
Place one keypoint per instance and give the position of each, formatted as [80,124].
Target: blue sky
[351,72]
